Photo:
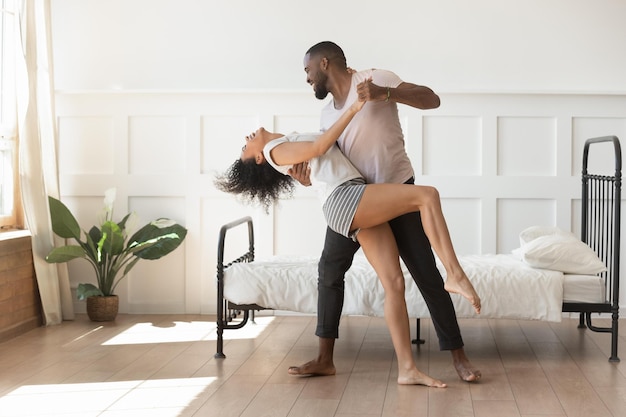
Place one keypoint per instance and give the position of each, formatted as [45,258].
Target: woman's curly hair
[255,183]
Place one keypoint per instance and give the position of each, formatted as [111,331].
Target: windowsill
[13,234]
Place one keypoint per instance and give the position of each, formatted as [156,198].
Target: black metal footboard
[601,205]
[226,311]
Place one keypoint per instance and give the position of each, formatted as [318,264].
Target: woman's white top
[327,171]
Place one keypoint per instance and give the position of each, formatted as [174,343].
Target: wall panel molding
[501,162]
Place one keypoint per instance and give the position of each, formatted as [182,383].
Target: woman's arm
[290,153]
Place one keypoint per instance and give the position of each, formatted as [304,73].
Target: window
[10,207]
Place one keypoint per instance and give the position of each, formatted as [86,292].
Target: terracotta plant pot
[103,308]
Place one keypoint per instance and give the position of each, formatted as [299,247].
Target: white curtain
[37,152]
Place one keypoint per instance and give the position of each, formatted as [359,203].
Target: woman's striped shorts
[340,207]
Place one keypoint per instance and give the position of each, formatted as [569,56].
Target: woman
[354,209]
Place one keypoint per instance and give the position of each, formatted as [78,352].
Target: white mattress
[583,289]
[508,288]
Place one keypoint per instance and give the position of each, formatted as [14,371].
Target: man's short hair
[330,51]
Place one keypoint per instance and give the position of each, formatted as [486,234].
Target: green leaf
[95,234]
[113,239]
[152,242]
[64,254]
[64,223]
[85,291]
[90,247]
[122,223]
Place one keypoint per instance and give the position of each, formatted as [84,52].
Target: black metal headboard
[600,229]
[601,218]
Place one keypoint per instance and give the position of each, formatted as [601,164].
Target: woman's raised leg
[381,251]
[383,202]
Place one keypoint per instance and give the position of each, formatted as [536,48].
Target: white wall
[154,97]
[451,45]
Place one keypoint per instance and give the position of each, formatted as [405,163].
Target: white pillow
[560,251]
[534,232]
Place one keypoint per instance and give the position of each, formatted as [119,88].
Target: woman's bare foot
[415,377]
[464,287]
[313,368]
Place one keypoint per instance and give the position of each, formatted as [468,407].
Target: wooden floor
[147,365]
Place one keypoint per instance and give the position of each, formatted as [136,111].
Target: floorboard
[163,365]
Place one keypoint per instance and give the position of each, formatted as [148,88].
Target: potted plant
[110,249]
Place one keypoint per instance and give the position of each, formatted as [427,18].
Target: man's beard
[320,88]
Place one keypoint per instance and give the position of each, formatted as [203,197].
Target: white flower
[109,199]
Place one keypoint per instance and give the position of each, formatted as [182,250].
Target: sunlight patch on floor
[180,331]
[87,334]
[161,397]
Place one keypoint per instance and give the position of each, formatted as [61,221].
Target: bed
[553,272]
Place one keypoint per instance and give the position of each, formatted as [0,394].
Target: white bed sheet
[508,288]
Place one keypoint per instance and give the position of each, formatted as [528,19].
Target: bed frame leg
[220,342]
[417,340]
[613,330]
[220,329]
[220,349]
[581,321]
[614,327]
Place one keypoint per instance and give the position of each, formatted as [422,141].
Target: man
[374,143]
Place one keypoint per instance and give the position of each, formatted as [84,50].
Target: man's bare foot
[415,377]
[464,287]
[313,368]
[467,372]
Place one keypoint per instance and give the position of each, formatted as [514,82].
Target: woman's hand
[368,91]
[357,106]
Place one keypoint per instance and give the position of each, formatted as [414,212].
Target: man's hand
[412,95]
[368,91]
[301,172]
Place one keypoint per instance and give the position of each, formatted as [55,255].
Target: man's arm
[413,95]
